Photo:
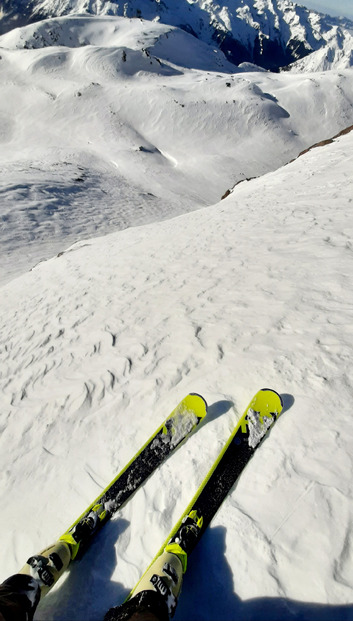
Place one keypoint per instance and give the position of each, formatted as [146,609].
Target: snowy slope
[100,343]
[337,54]
[109,122]
[270,33]
[167,42]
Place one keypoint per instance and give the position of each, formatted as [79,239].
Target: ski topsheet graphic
[160,585]
[50,564]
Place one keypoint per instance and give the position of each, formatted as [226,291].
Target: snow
[241,28]
[258,427]
[102,339]
[140,131]
[182,425]
[337,53]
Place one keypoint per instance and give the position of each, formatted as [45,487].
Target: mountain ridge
[268,33]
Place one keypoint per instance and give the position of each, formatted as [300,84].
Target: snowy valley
[125,112]
[127,282]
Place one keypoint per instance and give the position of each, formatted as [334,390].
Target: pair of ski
[159,587]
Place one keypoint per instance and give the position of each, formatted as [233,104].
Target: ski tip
[196,394]
[274,392]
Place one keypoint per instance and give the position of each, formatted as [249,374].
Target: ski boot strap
[81,533]
[186,537]
[47,566]
[175,548]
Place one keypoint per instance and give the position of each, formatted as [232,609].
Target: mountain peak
[268,33]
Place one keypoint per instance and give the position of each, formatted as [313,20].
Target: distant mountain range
[269,33]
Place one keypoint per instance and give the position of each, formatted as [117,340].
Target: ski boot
[156,595]
[47,567]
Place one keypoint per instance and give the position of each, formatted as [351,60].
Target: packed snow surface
[101,341]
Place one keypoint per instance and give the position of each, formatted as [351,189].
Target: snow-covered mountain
[337,54]
[269,33]
[101,113]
